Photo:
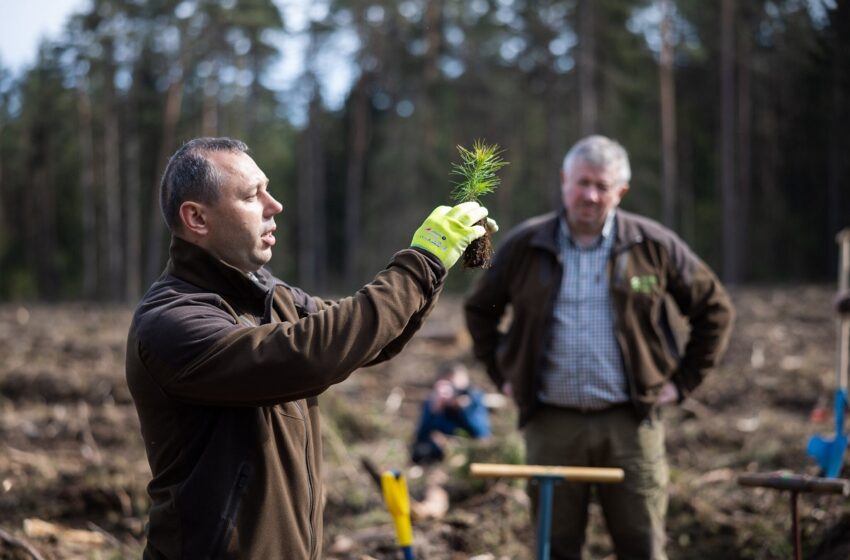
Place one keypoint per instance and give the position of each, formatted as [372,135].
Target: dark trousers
[634,509]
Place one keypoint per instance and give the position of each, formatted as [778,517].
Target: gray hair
[603,153]
[189,175]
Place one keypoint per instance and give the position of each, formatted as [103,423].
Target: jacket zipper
[310,489]
[267,318]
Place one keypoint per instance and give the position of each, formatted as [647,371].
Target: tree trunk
[3,218]
[133,174]
[687,211]
[433,38]
[87,188]
[744,152]
[133,232]
[112,184]
[40,211]
[255,97]
[838,125]
[667,92]
[557,131]
[731,238]
[588,119]
[359,135]
[430,76]
[312,220]
[209,111]
[834,156]
[167,145]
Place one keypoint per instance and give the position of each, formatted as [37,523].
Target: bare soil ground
[73,470]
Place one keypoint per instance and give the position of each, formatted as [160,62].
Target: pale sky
[23,23]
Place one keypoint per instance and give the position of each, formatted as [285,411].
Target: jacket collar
[628,231]
[195,265]
[546,236]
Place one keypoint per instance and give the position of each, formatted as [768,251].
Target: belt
[588,410]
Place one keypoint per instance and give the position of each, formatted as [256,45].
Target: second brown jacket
[647,263]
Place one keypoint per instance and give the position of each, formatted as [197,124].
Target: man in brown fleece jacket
[225,361]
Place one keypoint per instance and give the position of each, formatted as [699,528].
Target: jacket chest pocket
[644,297]
[638,279]
[639,293]
[645,292]
[641,286]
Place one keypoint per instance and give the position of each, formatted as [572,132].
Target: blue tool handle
[840,407]
[408,552]
[544,515]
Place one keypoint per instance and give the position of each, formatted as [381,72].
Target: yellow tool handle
[577,474]
[394,486]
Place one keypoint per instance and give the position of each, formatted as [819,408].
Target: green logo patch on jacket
[643,284]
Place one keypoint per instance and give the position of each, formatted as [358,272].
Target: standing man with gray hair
[589,356]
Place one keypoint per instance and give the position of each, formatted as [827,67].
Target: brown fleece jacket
[224,372]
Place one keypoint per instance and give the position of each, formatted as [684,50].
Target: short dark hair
[190,176]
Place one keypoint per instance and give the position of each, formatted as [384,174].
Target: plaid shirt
[583,368]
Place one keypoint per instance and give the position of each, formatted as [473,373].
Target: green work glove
[448,230]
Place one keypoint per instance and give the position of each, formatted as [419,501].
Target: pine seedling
[476,174]
[477,171]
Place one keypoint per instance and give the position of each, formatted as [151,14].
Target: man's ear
[194,218]
[624,188]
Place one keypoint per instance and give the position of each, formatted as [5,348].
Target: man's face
[588,194]
[241,223]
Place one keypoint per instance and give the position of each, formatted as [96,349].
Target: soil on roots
[479,253]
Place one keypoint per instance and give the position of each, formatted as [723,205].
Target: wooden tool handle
[843,351]
[843,240]
[577,474]
[796,483]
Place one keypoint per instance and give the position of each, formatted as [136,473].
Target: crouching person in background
[454,407]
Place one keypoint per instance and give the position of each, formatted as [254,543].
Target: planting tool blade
[829,452]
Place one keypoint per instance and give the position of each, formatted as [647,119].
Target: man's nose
[590,193]
[273,206]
